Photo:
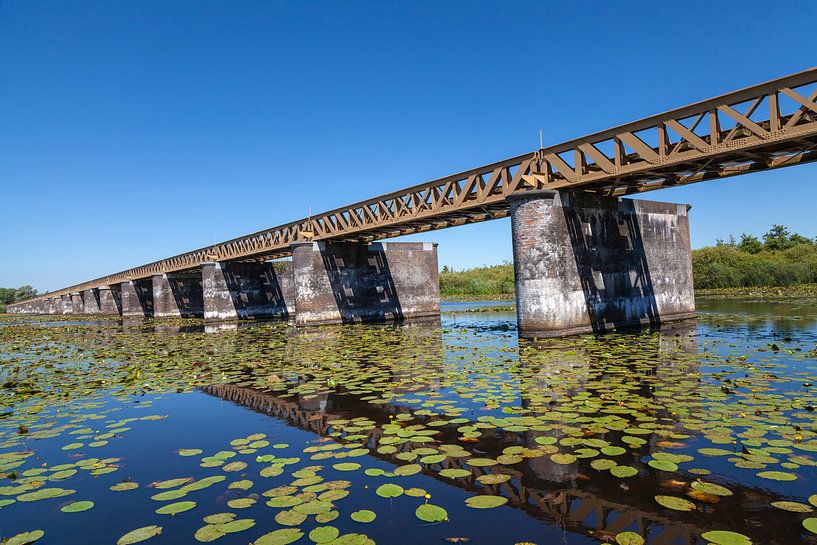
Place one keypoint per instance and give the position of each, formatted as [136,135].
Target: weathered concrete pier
[585,259]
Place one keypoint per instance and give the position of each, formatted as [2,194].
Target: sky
[133,131]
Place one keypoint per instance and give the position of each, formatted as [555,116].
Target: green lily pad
[236,526]
[777,475]
[723,537]
[711,488]
[25,538]
[324,534]
[629,538]
[678,504]
[622,472]
[347,466]
[290,518]
[431,513]
[208,533]
[663,465]
[563,459]
[389,490]
[190,452]
[176,508]
[77,507]
[485,501]
[124,486]
[284,536]
[792,506]
[453,473]
[364,515]
[810,524]
[139,535]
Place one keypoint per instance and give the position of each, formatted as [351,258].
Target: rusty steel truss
[766,126]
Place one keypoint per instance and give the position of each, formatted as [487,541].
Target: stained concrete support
[137,297]
[51,306]
[178,295]
[67,306]
[234,291]
[77,304]
[90,301]
[588,263]
[110,300]
[355,282]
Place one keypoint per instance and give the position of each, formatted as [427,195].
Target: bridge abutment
[347,282]
[110,300]
[240,291]
[67,307]
[178,295]
[137,297]
[586,263]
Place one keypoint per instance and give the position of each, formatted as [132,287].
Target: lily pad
[777,475]
[77,507]
[176,508]
[389,490]
[284,536]
[364,515]
[25,538]
[723,537]
[324,534]
[629,538]
[139,535]
[485,501]
[431,513]
[678,504]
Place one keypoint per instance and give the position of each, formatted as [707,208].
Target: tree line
[12,295]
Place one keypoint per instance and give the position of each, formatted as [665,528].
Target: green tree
[777,239]
[24,292]
[7,295]
[750,244]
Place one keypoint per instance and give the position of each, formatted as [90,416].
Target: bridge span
[585,258]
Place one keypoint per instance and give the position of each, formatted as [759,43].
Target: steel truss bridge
[763,127]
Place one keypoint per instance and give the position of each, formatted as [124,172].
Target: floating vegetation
[413,428]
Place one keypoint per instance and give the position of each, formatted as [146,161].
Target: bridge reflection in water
[574,496]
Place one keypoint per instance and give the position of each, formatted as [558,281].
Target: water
[316,420]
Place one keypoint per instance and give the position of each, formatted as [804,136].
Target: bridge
[585,258]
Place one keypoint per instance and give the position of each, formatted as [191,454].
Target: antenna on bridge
[308,234]
[540,139]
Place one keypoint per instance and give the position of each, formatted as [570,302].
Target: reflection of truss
[579,511]
[763,127]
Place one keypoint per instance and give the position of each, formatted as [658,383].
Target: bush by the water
[482,281]
[779,258]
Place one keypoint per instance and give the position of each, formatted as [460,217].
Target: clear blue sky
[131,131]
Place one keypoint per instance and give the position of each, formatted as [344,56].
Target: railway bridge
[586,258]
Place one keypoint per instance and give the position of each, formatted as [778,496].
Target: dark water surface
[707,425]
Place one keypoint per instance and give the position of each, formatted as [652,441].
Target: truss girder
[767,126]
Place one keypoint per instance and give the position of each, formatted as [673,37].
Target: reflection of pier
[598,507]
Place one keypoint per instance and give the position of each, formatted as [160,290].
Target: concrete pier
[178,295]
[356,282]
[77,304]
[587,263]
[137,297]
[110,300]
[239,291]
[90,301]
[67,306]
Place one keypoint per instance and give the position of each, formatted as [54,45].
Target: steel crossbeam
[763,127]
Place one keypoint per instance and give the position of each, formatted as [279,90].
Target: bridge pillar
[77,303]
[67,306]
[234,291]
[137,297]
[110,300]
[90,301]
[587,263]
[51,306]
[178,295]
[356,282]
